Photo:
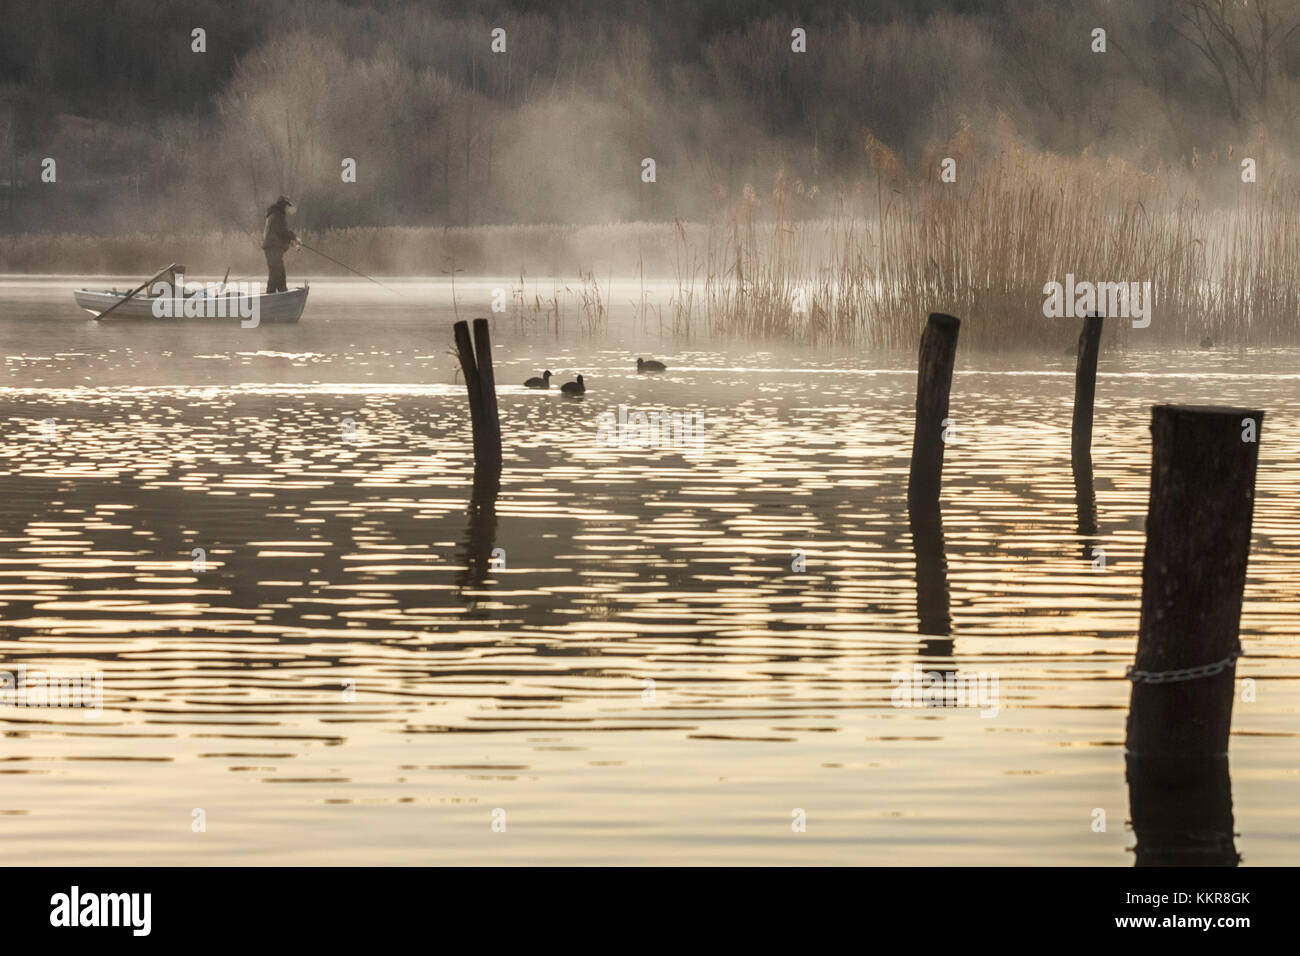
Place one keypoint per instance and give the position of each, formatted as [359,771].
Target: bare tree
[1244,42]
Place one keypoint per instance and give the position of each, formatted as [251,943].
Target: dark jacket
[277,234]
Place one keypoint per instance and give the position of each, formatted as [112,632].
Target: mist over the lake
[154,137]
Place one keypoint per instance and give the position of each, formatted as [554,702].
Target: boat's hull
[276,307]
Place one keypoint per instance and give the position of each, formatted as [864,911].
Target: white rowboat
[229,306]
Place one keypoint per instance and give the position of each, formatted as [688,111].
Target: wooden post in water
[925,520]
[933,383]
[1085,392]
[480,382]
[1193,576]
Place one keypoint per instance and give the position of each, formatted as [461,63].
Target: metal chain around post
[1186,673]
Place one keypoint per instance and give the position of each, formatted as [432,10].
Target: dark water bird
[573,388]
[543,382]
[1207,343]
[651,366]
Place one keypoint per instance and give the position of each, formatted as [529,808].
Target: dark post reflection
[1085,499]
[480,533]
[1181,810]
[926,522]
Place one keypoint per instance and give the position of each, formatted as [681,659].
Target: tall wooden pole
[1193,579]
[488,390]
[480,383]
[1085,392]
[1193,576]
[933,383]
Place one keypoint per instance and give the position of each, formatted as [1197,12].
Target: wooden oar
[144,285]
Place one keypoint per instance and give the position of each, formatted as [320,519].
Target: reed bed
[1222,257]
[984,248]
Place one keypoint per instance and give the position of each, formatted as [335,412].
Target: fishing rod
[346,266]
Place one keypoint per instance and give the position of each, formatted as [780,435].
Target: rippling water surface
[357,675]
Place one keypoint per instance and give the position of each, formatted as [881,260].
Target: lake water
[355,675]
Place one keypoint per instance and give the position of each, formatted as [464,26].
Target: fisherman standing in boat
[277,237]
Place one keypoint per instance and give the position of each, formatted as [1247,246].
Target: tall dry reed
[984,247]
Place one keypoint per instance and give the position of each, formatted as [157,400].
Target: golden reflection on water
[518,679]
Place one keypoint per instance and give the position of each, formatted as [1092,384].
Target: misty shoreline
[548,250]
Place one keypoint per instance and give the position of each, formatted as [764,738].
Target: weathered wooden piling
[1193,576]
[925,520]
[1203,463]
[933,383]
[480,382]
[1085,392]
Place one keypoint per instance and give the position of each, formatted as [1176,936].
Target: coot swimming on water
[651,366]
[573,388]
[543,382]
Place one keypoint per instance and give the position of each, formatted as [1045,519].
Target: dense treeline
[147,134]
